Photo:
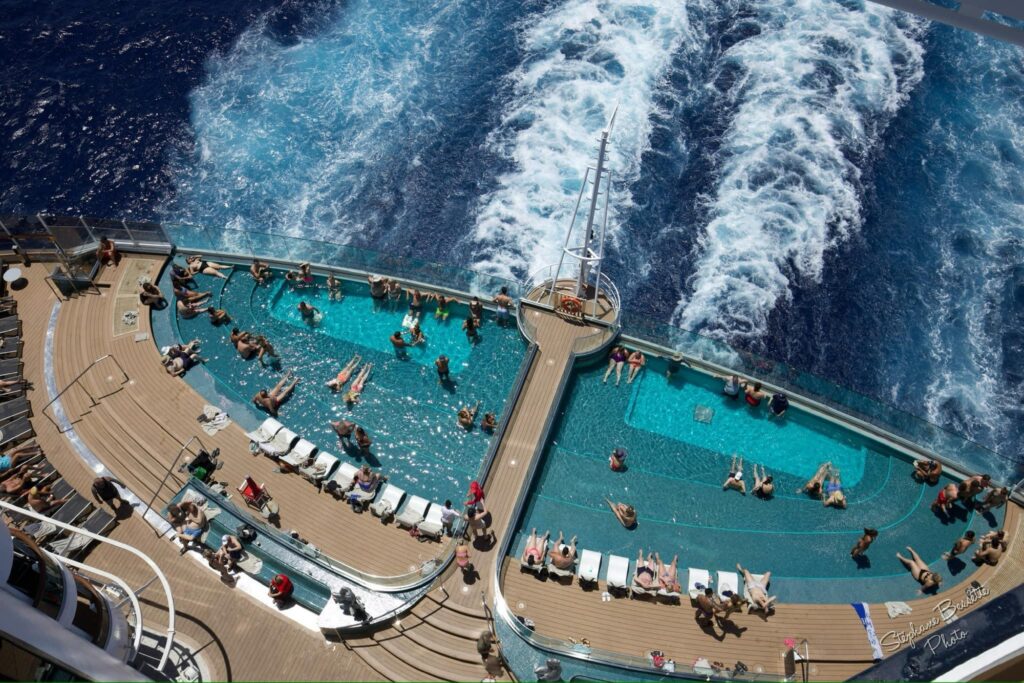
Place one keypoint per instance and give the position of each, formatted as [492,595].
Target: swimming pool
[680,434]
[410,416]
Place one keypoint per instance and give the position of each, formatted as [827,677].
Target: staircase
[436,641]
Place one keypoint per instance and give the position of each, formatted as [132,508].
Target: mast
[586,253]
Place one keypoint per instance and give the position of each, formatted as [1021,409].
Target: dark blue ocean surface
[824,181]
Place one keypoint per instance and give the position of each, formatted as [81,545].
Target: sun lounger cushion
[590,565]
[388,502]
[727,581]
[9,367]
[413,513]
[698,580]
[431,525]
[12,410]
[322,468]
[282,442]
[618,571]
[266,431]
[344,475]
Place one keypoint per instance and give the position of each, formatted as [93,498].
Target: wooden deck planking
[208,613]
[838,643]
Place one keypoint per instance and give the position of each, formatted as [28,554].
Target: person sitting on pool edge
[625,513]
[991,549]
[864,543]
[150,295]
[764,486]
[735,478]
[813,485]
[271,401]
[777,405]
[281,590]
[928,579]
[928,471]
[617,460]
[834,496]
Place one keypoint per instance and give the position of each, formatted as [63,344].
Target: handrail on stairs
[87,392]
[167,474]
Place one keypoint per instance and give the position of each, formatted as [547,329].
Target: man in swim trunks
[563,556]
[961,545]
[399,343]
[735,478]
[995,498]
[646,572]
[378,286]
[947,496]
[971,487]
[363,440]
[442,368]
[344,430]
[707,608]
[504,303]
[271,401]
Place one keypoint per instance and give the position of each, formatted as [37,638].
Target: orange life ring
[572,305]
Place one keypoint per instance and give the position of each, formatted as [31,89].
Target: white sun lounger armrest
[618,571]
[413,513]
[590,566]
[388,502]
[727,581]
[431,524]
[697,581]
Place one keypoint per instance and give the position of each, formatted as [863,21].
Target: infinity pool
[409,415]
[680,434]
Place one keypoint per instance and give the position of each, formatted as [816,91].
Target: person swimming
[617,460]
[834,495]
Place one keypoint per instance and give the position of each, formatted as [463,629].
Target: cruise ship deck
[136,424]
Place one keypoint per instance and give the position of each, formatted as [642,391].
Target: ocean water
[827,182]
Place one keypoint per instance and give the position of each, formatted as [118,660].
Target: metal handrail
[131,597]
[170,468]
[75,381]
[123,546]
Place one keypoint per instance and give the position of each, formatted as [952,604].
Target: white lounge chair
[727,582]
[282,443]
[413,513]
[752,606]
[697,581]
[322,468]
[539,566]
[265,432]
[388,502]
[431,524]
[342,476]
[618,573]
[590,566]
[299,453]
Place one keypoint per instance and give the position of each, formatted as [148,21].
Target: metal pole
[568,236]
[167,475]
[588,233]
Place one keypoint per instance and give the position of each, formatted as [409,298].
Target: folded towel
[896,609]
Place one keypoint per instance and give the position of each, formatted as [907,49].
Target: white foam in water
[787,189]
[580,60]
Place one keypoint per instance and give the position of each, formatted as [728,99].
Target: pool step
[450,621]
[438,640]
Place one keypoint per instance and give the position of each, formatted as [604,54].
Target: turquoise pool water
[408,414]
[676,467]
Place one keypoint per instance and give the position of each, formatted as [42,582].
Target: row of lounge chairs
[15,408]
[328,473]
[587,568]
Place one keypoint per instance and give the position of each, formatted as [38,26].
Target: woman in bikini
[764,487]
[195,265]
[616,359]
[625,513]
[636,361]
[814,484]
[928,579]
[338,382]
[352,395]
[735,478]
[535,549]
[834,495]
[668,575]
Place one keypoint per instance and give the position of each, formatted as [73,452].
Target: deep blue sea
[827,182]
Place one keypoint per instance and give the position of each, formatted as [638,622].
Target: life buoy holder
[571,305]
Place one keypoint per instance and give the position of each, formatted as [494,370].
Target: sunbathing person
[334,292]
[535,549]
[764,487]
[616,359]
[175,517]
[230,552]
[758,588]
[991,550]
[190,309]
[271,401]
[259,271]
[182,363]
[563,556]
[646,572]
[24,477]
[17,456]
[834,495]
[961,545]
[636,361]
[352,395]
[366,479]
[928,471]
[735,478]
[813,487]
[668,575]
[150,295]
[864,542]
[338,382]
[995,498]
[489,423]
[947,496]
[626,514]
[195,265]
[928,579]
[467,416]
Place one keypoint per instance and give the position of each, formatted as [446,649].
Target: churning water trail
[580,59]
[808,97]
